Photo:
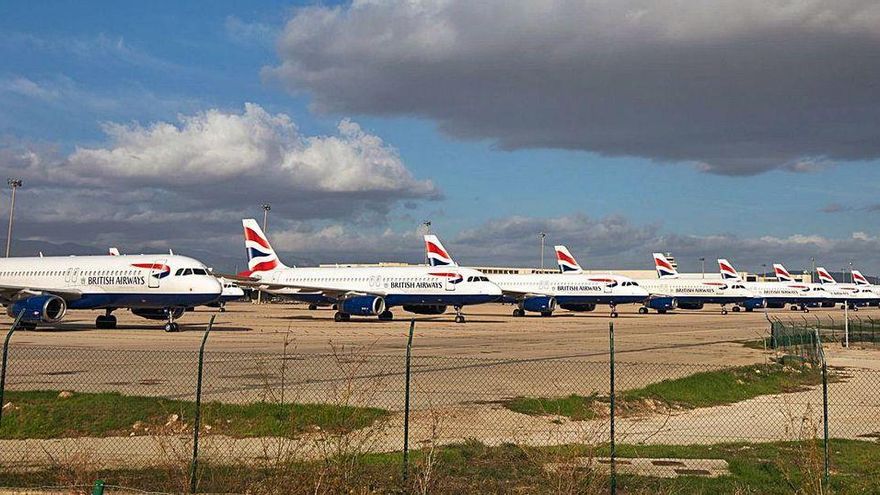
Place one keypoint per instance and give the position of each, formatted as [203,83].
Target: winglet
[782,274]
[728,272]
[437,254]
[565,260]
[261,256]
[664,267]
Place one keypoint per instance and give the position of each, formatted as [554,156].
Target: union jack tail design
[782,274]
[437,254]
[664,267]
[859,279]
[261,256]
[567,263]
[728,272]
[824,276]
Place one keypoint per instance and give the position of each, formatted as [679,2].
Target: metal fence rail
[131,413]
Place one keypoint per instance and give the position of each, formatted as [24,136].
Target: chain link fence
[293,422]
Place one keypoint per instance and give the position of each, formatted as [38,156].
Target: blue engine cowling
[540,304]
[754,303]
[363,305]
[578,307]
[662,303]
[39,309]
[431,309]
[690,305]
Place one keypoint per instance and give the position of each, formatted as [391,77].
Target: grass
[704,389]
[42,414]
[471,467]
[575,407]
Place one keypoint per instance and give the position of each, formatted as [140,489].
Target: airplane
[774,294]
[863,284]
[816,290]
[366,291]
[230,292]
[155,287]
[544,292]
[669,291]
[845,294]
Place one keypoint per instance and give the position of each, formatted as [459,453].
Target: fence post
[412,326]
[846,324]
[824,407]
[98,488]
[613,446]
[197,423]
[5,359]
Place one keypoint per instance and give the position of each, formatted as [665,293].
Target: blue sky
[67,68]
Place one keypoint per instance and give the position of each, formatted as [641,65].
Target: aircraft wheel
[661,311]
[340,316]
[806,310]
[518,312]
[723,311]
[546,313]
[736,309]
[313,307]
[459,319]
[794,308]
[386,315]
[643,310]
[614,314]
[26,325]
[171,327]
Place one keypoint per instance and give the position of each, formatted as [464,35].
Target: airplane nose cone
[212,286]
[494,290]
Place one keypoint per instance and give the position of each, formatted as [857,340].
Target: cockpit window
[199,271]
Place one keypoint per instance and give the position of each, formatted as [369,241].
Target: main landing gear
[518,312]
[643,310]
[736,309]
[459,318]
[340,316]
[106,320]
[386,315]
[614,313]
[723,309]
[313,307]
[171,326]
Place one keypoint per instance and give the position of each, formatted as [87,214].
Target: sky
[738,129]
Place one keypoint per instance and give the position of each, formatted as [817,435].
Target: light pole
[763,271]
[266,207]
[812,269]
[542,235]
[427,225]
[14,184]
[703,266]
[850,272]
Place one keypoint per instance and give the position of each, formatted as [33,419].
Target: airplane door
[608,288]
[450,285]
[155,273]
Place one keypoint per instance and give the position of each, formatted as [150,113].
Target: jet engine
[539,304]
[39,309]
[363,305]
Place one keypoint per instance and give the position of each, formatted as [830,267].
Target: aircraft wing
[522,294]
[329,292]
[9,293]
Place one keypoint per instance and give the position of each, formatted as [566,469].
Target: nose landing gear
[459,318]
[614,313]
[171,326]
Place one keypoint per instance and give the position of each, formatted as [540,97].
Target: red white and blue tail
[261,256]
[859,279]
[728,272]
[782,274]
[566,262]
[664,267]
[824,276]
[437,254]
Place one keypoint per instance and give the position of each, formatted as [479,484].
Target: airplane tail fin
[782,274]
[859,279]
[113,251]
[566,262]
[261,256]
[437,254]
[824,276]
[664,267]
[728,272]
